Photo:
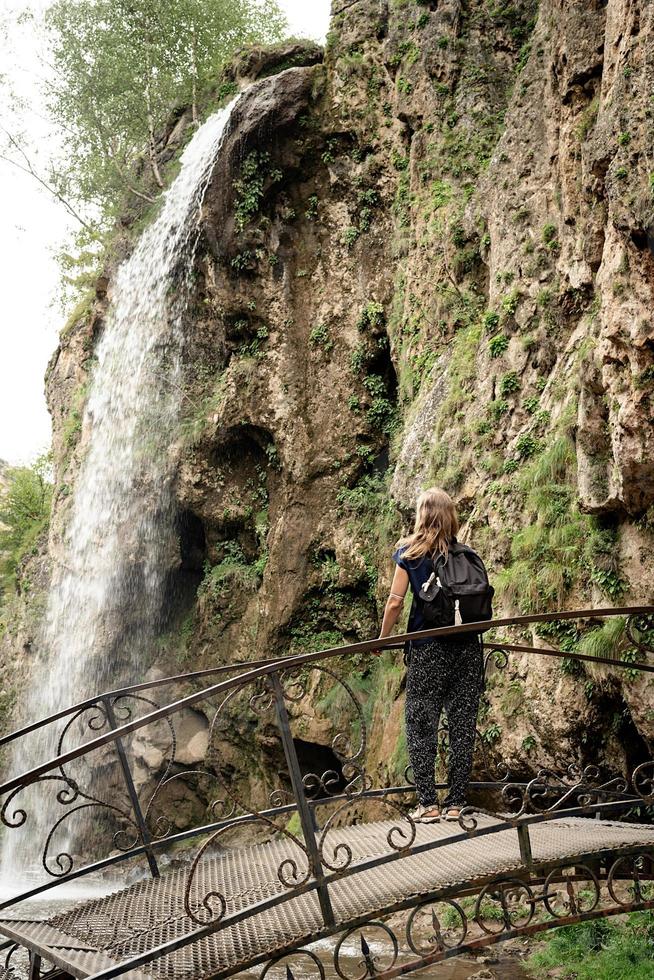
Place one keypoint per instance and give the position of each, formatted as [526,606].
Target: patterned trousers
[443,674]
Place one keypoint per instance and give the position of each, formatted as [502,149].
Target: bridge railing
[120,792]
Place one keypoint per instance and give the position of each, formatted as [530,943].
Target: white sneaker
[426,814]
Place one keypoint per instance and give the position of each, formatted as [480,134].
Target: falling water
[105,602]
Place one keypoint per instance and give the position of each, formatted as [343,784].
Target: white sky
[32,226]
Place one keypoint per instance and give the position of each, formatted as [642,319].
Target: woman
[444,673]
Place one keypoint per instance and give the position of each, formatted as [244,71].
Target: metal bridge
[328,854]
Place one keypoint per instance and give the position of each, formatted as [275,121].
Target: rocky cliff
[427,257]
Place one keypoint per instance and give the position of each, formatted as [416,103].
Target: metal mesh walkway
[99,933]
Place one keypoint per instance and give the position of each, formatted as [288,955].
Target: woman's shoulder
[399,557]
[398,552]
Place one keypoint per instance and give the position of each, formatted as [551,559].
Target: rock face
[428,259]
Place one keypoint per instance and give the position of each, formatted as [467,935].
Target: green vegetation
[72,427]
[588,119]
[350,236]
[116,69]
[526,446]
[372,519]
[510,304]
[602,949]
[560,548]
[232,571]
[321,337]
[461,372]
[372,315]
[381,414]
[311,213]
[498,344]
[115,75]
[491,320]
[256,174]
[24,516]
[509,383]
[604,641]
[547,552]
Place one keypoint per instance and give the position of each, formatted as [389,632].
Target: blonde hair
[435,526]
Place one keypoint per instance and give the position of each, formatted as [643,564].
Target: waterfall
[108,588]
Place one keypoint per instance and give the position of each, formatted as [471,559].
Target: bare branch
[28,168]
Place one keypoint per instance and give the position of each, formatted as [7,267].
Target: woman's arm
[394,604]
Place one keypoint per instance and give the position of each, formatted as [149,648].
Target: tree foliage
[24,514]
[120,66]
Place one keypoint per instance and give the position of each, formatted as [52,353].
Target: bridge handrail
[291,662]
[131,689]
[540,795]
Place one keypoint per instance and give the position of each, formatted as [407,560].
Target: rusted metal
[297,661]
[303,810]
[144,833]
[342,874]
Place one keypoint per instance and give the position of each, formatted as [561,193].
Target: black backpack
[457,583]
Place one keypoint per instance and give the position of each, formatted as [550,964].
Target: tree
[119,66]
[24,514]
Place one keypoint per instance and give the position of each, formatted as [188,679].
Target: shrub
[510,303]
[509,383]
[372,315]
[498,408]
[526,446]
[381,413]
[491,320]
[320,337]
[311,212]
[256,172]
[350,236]
[24,515]
[498,344]
[549,233]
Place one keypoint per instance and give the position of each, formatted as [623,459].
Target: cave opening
[643,238]
[183,581]
[622,731]
[317,760]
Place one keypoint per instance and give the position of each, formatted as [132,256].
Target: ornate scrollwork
[280,797]
[436,926]
[642,781]
[468,818]
[315,961]
[372,960]
[549,791]
[564,895]
[503,905]
[294,683]
[71,795]
[289,873]
[8,958]
[496,657]
[632,868]
[329,783]
[260,701]
[399,837]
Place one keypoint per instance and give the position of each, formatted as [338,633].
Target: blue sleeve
[398,558]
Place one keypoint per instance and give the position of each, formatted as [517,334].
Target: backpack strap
[440,558]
